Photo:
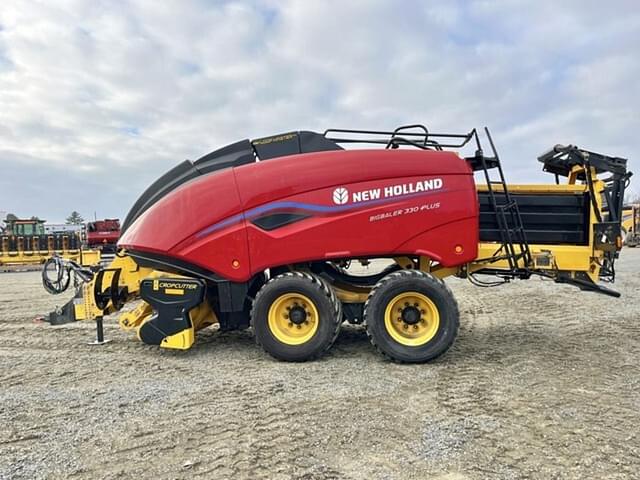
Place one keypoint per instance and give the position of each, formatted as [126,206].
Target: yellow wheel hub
[293,319]
[412,319]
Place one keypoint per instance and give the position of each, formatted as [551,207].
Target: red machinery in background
[103,234]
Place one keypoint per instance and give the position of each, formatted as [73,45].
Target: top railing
[417,136]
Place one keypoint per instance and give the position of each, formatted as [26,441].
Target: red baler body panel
[330,205]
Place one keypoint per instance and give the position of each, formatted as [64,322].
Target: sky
[99,98]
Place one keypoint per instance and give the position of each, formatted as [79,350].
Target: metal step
[507,216]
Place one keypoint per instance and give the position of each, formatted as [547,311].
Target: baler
[103,234]
[262,234]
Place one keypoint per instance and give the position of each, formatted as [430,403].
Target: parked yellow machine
[631,225]
[25,242]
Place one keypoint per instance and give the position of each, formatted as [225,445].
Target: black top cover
[292,143]
[234,155]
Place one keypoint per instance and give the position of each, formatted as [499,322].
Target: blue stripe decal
[308,207]
[217,226]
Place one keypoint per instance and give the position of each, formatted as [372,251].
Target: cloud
[97,99]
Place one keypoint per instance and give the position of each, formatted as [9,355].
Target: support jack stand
[99,333]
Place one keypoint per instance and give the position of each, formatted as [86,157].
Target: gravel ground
[543,382]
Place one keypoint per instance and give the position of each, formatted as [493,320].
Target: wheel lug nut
[415,327]
[415,304]
[299,326]
[422,312]
[307,322]
[405,326]
[286,316]
[406,304]
[399,310]
[290,324]
[288,307]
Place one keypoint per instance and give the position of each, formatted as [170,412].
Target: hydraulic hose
[56,276]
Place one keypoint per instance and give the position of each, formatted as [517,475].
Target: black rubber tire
[326,302]
[337,306]
[430,286]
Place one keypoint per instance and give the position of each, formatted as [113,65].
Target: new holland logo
[340,196]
